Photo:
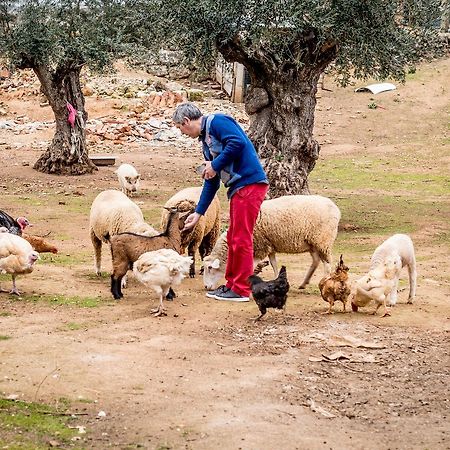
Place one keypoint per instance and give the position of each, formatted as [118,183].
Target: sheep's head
[213,272]
[132,182]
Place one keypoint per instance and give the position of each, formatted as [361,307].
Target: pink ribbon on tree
[72,114]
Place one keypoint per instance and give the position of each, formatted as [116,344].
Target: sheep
[205,233]
[378,284]
[401,245]
[160,270]
[112,212]
[289,224]
[128,179]
[127,247]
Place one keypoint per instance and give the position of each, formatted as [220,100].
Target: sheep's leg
[115,287]
[170,295]
[315,263]
[123,283]
[273,263]
[97,244]
[14,290]
[412,281]
[192,250]
[393,293]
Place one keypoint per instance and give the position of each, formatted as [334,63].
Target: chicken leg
[14,290]
[160,310]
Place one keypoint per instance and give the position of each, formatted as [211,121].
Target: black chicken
[14,226]
[270,294]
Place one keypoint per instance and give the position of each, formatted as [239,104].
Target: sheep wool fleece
[244,209]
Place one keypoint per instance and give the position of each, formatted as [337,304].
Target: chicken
[14,226]
[335,287]
[269,294]
[160,270]
[16,256]
[39,244]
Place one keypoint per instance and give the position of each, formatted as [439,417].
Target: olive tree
[285,47]
[56,39]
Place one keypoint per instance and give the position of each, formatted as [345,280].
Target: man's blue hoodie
[233,156]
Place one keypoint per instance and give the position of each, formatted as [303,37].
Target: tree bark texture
[67,154]
[281,102]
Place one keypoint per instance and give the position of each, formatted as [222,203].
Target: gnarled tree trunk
[67,154]
[281,103]
[282,120]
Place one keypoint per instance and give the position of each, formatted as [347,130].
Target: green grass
[5,314]
[32,425]
[4,337]
[63,259]
[390,174]
[62,300]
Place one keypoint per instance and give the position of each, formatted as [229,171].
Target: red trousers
[244,209]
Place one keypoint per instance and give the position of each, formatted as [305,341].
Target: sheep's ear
[215,264]
[138,176]
[184,214]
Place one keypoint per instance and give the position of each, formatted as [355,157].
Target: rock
[195,95]
[87,91]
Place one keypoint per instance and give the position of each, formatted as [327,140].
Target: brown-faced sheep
[126,248]
[204,236]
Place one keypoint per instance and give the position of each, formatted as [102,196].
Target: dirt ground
[207,376]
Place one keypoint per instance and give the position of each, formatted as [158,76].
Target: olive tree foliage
[285,46]
[56,39]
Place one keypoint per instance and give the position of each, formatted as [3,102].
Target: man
[231,157]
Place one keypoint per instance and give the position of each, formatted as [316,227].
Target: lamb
[289,224]
[378,284]
[112,212]
[401,245]
[160,270]
[127,247]
[128,179]
[205,233]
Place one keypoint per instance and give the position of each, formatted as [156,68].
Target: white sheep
[160,270]
[112,212]
[378,284]
[205,233]
[402,246]
[128,179]
[289,224]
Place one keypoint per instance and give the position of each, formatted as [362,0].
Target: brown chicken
[336,287]
[39,244]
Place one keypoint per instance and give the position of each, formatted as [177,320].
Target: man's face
[190,127]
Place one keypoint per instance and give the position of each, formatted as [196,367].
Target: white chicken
[16,256]
[160,270]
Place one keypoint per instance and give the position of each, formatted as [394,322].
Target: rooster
[16,256]
[335,287]
[269,294]
[161,269]
[14,226]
